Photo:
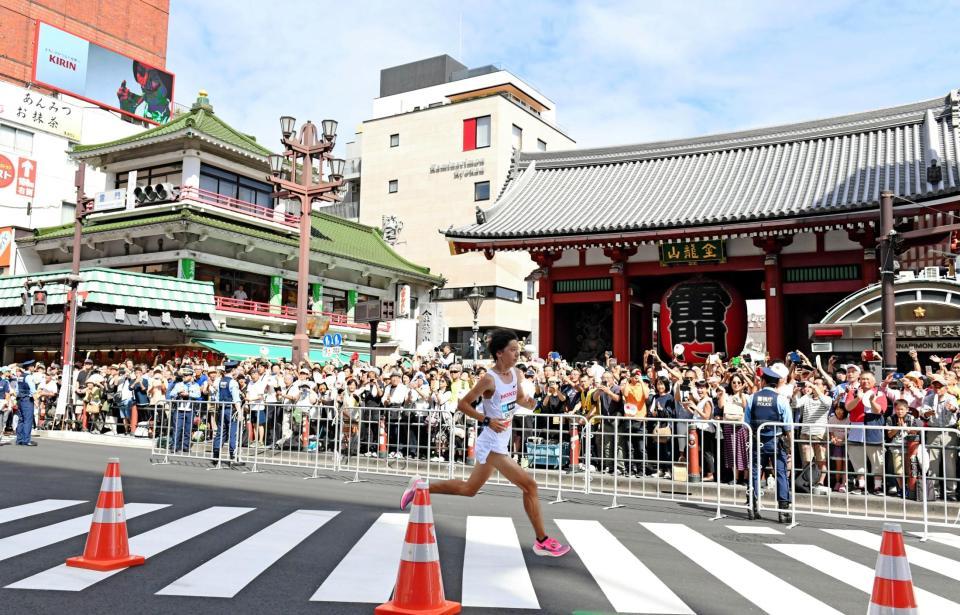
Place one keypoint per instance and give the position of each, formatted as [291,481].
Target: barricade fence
[878,472]
[705,462]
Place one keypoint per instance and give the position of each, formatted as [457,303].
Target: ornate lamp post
[298,173]
[475,300]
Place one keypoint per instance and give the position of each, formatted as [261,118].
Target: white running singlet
[500,406]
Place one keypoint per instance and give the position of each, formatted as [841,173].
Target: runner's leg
[480,474]
[516,475]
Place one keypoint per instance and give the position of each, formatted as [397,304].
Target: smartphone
[747,358]
[794,357]
[736,362]
[898,376]
[928,370]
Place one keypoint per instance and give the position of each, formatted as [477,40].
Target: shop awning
[272,352]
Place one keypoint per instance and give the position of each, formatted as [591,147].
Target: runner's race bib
[506,410]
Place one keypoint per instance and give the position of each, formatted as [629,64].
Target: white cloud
[619,71]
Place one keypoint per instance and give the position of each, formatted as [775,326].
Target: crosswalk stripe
[857,575]
[11,546]
[369,571]
[916,557]
[35,508]
[761,530]
[764,589]
[248,559]
[951,540]
[610,562]
[148,544]
[494,572]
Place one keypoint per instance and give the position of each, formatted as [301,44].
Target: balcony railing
[288,312]
[251,209]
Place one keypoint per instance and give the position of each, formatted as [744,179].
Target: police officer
[768,406]
[25,390]
[185,395]
[227,413]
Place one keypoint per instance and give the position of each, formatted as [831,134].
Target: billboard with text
[76,66]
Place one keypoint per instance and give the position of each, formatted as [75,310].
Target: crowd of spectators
[290,405]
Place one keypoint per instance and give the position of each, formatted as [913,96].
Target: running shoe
[550,548]
[411,490]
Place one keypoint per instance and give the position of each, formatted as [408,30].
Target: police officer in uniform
[227,413]
[25,390]
[184,395]
[768,406]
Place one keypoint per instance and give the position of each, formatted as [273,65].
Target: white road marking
[944,538]
[494,572]
[611,564]
[857,575]
[11,546]
[761,587]
[369,571]
[248,559]
[148,544]
[755,529]
[917,557]
[35,508]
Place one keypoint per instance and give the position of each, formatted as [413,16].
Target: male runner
[500,396]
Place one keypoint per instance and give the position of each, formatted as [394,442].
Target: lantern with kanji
[705,317]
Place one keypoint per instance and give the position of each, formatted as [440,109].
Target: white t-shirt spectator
[240,294]
[256,393]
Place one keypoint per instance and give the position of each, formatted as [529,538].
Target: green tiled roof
[339,237]
[200,119]
[121,289]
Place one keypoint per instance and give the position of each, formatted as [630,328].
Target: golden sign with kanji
[693,252]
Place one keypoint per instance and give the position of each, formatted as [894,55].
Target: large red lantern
[705,317]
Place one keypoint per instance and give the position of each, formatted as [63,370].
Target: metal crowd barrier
[909,475]
[620,457]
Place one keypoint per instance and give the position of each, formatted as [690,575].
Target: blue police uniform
[768,406]
[25,389]
[228,394]
[185,397]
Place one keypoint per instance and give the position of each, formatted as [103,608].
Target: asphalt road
[704,566]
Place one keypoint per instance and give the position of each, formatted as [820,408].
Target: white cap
[780,369]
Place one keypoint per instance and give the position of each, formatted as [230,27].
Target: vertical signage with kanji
[26,177]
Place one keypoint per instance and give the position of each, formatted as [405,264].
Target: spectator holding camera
[867,407]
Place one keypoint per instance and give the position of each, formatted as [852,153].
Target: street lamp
[304,151]
[475,300]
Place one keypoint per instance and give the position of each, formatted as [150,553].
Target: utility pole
[68,348]
[888,256]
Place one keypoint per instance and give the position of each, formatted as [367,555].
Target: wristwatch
[486,421]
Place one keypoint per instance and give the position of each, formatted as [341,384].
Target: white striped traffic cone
[419,588]
[107,546]
[892,584]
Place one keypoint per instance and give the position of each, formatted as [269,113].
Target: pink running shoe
[411,490]
[550,548]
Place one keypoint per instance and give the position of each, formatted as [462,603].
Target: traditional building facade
[661,243]
[191,201]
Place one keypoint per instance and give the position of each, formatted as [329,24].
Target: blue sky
[619,72]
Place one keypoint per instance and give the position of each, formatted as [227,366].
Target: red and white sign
[27,177]
[6,246]
[7,172]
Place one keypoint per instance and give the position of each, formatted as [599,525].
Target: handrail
[289,312]
[225,202]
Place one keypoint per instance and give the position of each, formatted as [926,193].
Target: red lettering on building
[54,59]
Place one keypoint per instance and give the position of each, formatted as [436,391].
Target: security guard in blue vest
[227,413]
[768,406]
[25,390]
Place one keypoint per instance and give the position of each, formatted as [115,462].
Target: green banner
[188,269]
[351,299]
[316,293]
[693,252]
[276,292]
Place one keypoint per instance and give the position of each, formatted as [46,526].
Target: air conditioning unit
[156,193]
[931,273]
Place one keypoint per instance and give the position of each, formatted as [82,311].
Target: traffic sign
[7,171]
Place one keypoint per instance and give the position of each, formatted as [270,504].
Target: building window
[392,186]
[476,133]
[234,186]
[489,292]
[481,191]
[167,173]
[16,139]
[394,140]
[517,134]
[541,145]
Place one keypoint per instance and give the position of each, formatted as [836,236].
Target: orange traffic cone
[471,445]
[693,455]
[107,547]
[419,588]
[382,439]
[892,584]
